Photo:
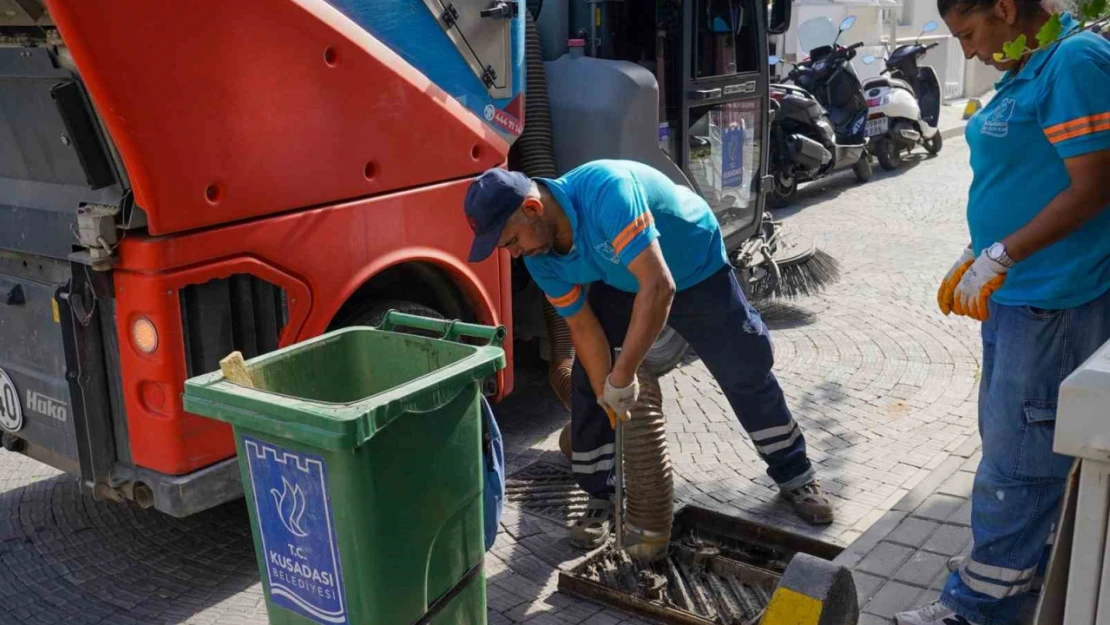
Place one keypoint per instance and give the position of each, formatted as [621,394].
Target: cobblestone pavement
[879,381]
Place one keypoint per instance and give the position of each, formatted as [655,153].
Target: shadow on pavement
[813,193]
[67,557]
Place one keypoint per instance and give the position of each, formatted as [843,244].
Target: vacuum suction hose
[649,491]
[536,149]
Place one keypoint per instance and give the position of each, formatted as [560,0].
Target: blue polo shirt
[616,209]
[1056,107]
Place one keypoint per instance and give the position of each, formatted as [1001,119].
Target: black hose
[536,145]
[535,156]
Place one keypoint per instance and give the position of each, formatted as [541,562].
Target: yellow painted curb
[789,607]
[972,107]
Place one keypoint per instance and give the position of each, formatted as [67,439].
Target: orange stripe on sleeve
[637,226]
[1077,127]
[1079,132]
[566,300]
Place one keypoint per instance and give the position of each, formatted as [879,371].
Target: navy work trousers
[730,338]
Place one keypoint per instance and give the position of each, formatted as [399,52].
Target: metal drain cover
[546,490]
[720,570]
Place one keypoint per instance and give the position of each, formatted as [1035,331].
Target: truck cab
[179,181]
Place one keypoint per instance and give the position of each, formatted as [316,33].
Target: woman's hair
[1025,8]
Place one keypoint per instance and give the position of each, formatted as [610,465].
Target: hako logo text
[47,406]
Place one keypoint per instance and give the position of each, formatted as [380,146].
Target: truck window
[726,41]
[725,148]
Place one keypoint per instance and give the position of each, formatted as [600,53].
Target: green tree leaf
[1092,9]
[1050,31]
[1014,49]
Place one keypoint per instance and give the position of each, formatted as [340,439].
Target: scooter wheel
[782,195]
[890,157]
[933,146]
[862,168]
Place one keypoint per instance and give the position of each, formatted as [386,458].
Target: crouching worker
[650,252]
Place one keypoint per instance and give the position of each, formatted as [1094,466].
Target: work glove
[618,402]
[979,282]
[951,279]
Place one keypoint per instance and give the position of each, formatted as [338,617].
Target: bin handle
[452,330]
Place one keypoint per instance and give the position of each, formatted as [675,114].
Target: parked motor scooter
[817,123]
[903,104]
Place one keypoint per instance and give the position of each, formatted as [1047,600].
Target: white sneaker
[932,614]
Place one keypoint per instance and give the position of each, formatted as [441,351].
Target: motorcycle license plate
[877,126]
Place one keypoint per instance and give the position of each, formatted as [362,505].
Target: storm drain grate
[546,490]
[719,570]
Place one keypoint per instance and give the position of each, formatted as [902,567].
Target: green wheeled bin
[361,457]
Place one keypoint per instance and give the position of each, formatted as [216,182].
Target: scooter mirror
[929,27]
[773,60]
[868,60]
[847,23]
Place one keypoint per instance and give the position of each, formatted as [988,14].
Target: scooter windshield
[816,32]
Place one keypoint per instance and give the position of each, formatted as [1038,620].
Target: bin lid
[346,424]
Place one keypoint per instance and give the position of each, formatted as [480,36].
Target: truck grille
[241,313]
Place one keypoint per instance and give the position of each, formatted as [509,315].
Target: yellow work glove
[951,279]
[979,282]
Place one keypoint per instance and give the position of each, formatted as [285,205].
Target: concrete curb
[955,131]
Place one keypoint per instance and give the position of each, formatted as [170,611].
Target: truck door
[722,134]
[59,188]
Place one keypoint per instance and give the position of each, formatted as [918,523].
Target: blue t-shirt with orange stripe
[1057,106]
[616,209]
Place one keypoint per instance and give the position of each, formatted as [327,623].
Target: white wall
[923,11]
[873,32]
[868,26]
[979,78]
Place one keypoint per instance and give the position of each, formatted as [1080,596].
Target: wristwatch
[997,253]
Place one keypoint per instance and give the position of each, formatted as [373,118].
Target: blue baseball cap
[490,200]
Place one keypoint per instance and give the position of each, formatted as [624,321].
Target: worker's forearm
[649,314]
[1065,214]
[591,348]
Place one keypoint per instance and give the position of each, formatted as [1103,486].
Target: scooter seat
[886,81]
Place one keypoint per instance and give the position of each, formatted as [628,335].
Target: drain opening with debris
[719,570]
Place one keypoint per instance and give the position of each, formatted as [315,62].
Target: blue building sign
[297,531]
[732,156]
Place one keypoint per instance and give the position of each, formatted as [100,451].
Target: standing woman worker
[1037,275]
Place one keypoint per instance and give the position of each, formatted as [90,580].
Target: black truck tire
[666,352]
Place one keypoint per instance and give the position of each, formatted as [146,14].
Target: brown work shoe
[811,503]
[592,529]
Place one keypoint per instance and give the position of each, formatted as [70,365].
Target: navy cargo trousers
[730,338]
